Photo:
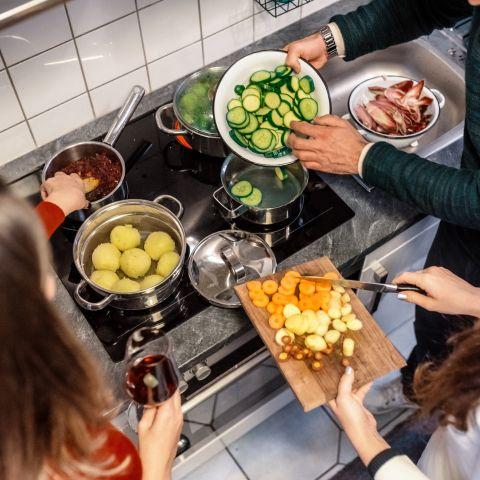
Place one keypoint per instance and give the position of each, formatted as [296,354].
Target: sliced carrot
[316,301]
[331,275]
[261,302]
[307,287]
[293,299]
[276,321]
[288,282]
[293,273]
[271,307]
[279,309]
[279,299]
[269,287]
[304,296]
[286,291]
[305,305]
[254,285]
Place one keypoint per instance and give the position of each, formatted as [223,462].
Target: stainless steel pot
[282,201]
[79,150]
[202,140]
[145,215]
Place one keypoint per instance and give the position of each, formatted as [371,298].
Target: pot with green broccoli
[193,107]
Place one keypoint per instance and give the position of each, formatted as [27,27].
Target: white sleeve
[399,468]
[338,37]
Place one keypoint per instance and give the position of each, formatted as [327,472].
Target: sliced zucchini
[254,199]
[263,111]
[296,111]
[286,99]
[260,76]
[293,84]
[259,117]
[275,119]
[251,103]
[283,71]
[272,100]
[262,138]
[278,82]
[234,103]
[236,116]
[238,138]
[308,109]
[251,126]
[289,118]
[239,89]
[251,91]
[242,189]
[285,136]
[267,125]
[300,95]
[284,108]
[306,84]
[284,89]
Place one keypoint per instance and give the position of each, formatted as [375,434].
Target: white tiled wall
[75,62]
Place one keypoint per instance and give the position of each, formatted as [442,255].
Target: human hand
[158,433]
[359,424]
[446,292]
[311,48]
[65,191]
[333,146]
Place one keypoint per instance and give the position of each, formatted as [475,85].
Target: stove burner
[180,138]
[168,166]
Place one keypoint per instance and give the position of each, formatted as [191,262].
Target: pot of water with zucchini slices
[258,194]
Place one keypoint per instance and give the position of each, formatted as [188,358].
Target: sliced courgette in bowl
[243,188]
[308,109]
[254,199]
[260,76]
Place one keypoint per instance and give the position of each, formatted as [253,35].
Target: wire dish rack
[279,7]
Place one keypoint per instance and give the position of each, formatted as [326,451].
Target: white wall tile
[110,96]
[220,14]
[44,81]
[86,15]
[314,6]
[228,40]
[34,34]
[62,119]
[175,65]
[10,112]
[2,65]
[111,51]
[145,3]
[15,142]
[265,24]
[168,26]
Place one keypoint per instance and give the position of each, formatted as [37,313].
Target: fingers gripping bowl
[239,74]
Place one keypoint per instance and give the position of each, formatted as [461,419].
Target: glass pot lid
[225,259]
[193,102]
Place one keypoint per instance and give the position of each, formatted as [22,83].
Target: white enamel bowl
[239,73]
[360,94]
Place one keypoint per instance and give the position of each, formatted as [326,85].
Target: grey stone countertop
[378,217]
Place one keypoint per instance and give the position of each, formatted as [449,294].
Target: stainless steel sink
[416,60]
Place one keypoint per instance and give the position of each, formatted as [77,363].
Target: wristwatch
[329,39]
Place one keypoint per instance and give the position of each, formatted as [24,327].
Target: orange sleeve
[51,215]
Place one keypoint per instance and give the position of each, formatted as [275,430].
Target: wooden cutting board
[374,355]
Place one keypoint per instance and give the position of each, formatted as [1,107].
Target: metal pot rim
[95,143]
[140,293]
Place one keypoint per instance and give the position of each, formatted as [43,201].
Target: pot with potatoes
[131,253]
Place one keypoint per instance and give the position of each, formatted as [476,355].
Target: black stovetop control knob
[201,371]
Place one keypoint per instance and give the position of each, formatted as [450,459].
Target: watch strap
[326,32]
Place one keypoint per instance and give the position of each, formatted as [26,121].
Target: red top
[117,443]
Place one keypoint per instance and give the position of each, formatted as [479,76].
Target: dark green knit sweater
[445,192]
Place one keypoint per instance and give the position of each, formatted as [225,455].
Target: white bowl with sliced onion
[394,109]
[240,74]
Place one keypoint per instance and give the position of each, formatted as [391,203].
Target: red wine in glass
[152,379]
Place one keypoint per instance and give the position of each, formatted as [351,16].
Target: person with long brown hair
[449,389]
[53,398]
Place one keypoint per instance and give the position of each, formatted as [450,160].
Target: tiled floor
[290,443]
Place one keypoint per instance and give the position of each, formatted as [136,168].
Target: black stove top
[156,164]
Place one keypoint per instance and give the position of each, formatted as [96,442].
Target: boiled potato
[158,243]
[126,285]
[339,325]
[323,318]
[338,288]
[104,278]
[150,281]
[125,237]
[332,336]
[348,347]
[336,295]
[296,324]
[283,332]
[334,312]
[348,318]
[167,263]
[135,262]
[354,325]
[321,330]
[313,322]
[290,309]
[106,256]
[346,309]
[315,343]
[346,298]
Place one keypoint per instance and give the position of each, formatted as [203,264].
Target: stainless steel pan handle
[181,209]
[124,114]
[228,212]
[92,306]
[162,127]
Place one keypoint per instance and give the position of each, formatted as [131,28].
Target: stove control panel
[201,371]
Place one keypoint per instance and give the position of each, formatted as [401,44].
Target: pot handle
[124,114]
[179,204]
[233,263]
[347,116]
[92,306]
[229,213]
[440,97]
[161,126]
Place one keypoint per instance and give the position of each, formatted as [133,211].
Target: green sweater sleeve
[383,23]
[444,192]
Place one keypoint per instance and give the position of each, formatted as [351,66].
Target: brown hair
[452,389]
[51,399]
